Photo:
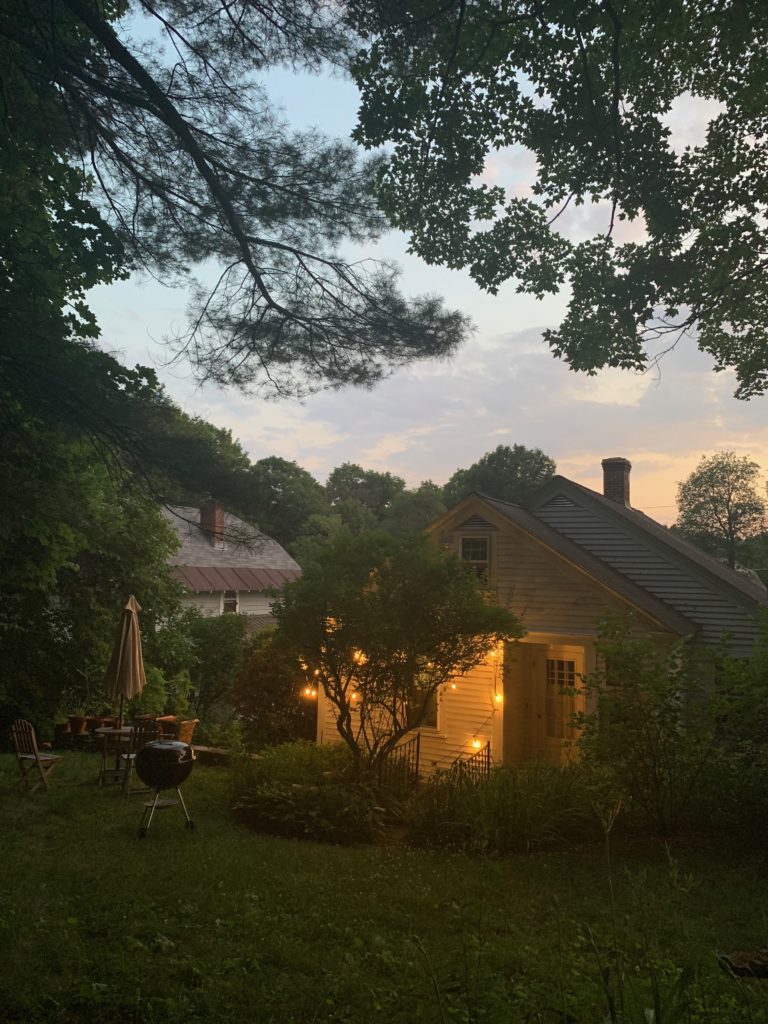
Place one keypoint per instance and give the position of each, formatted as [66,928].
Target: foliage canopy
[460,91]
[385,624]
[157,111]
[719,504]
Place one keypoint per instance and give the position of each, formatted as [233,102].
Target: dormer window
[475,551]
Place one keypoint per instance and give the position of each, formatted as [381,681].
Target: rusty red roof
[200,578]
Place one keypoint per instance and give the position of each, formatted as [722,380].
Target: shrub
[330,812]
[304,790]
[267,694]
[656,724]
[514,809]
[303,762]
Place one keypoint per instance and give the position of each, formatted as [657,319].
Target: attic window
[474,550]
[229,603]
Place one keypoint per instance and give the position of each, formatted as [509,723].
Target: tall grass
[514,809]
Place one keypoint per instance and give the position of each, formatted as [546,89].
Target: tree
[284,497]
[509,474]
[219,646]
[165,121]
[268,695]
[719,506]
[384,624]
[372,490]
[74,542]
[585,90]
[413,511]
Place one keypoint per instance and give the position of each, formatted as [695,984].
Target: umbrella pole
[120,714]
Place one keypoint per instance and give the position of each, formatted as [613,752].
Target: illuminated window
[230,602]
[560,699]
[474,550]
[415,701]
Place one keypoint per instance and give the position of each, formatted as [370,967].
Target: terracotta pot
[77,724]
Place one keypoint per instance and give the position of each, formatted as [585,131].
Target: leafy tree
[509,474]
[585,90]
[189,165]
[719,505]
[268,695]
[284,497]
[384,624]
[372,490]
[413,511]
[73,544]
[219,648]
[656,721]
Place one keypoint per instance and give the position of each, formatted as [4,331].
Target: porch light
[498,697]
[453,686]
[476,743]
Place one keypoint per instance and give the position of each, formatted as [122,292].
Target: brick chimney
[212,522]
[616,480]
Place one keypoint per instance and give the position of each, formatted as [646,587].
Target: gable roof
[718,599]
[579,557]
[246,560]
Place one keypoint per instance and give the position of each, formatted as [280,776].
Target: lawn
[222,924]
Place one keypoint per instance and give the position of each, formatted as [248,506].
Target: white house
[226,564]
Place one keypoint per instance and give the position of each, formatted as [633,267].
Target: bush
[331,812]
[267,694]
[304,762]
[304,790]
[514,809]
[656,725]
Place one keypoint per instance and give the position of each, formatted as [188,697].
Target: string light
[476,743]
[498,697]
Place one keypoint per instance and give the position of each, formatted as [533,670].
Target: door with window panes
[562,698]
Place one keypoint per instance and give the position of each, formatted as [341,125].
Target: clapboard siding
[206,604]
[466,713]
[547,593]
[664,574]
[251,602]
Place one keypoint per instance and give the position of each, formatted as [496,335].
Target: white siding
[251,602]
[466,713]
[207,604]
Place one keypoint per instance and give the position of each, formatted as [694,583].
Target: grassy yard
[221,924]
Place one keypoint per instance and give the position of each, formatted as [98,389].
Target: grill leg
[190,823]
[148,812]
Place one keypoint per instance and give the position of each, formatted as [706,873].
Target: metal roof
[246,560]
[718,599]
[201,578]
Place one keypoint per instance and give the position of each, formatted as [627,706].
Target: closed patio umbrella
[125,677]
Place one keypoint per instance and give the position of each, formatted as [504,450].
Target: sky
[502,387]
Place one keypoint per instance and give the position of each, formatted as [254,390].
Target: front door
[563,697]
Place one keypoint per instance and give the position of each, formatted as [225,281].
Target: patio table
[112,740]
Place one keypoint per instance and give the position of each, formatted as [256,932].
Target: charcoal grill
[163,764]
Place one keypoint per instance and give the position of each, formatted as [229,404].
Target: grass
[222,924]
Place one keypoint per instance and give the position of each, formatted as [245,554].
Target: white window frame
[224,610]
[478,563]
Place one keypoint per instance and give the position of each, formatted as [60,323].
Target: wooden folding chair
[35,767]
[144,732]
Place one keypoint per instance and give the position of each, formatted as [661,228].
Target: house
[227,565]
[561,563]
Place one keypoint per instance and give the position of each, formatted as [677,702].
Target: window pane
[559,706]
